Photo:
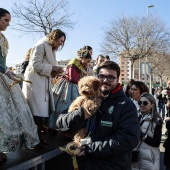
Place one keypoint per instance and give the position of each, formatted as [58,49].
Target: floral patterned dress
[17,127]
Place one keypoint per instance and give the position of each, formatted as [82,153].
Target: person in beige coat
[39,71]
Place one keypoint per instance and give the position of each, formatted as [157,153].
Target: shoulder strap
[144,135]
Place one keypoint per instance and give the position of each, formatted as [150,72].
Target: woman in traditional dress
[39,71]
[17,127]
[66,89]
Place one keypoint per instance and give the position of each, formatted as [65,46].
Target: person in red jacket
[112,132]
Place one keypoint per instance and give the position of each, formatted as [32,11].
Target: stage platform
[32,159]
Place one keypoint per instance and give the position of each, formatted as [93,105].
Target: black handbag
[135,154]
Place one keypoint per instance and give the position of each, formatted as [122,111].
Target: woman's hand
[167,119]
[11,75]
[57,69]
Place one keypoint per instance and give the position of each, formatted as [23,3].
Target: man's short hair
[100,55]
[109,65]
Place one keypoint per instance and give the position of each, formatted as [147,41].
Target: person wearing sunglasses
[151,132]
[136,90]
[112,132]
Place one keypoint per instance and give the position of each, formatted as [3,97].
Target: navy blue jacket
[115,135]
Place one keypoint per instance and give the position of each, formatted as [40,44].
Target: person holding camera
[150,137]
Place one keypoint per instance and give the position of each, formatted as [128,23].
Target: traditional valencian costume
[66,90]
[17,127]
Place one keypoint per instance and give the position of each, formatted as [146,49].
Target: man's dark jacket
[116,133]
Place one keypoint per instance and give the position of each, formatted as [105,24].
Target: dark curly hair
[141,85]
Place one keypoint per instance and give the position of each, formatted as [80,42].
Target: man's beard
[104,91]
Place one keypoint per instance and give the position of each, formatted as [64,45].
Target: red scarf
[119,87]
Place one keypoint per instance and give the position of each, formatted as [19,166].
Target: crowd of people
[125,132]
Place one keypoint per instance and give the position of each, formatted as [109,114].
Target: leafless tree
[160,65]
[41,16]
[135,38]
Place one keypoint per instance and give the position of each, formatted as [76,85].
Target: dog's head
[89,86]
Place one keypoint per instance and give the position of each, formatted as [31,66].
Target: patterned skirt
[65,93]
[17,127]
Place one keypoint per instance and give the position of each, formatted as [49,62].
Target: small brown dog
[90,99]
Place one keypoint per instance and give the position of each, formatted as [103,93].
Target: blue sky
[92,16]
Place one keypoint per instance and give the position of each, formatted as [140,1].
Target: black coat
[24,66]
[167,146]
[116,133]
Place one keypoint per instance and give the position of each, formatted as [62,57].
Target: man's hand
[86,115]
[82,153]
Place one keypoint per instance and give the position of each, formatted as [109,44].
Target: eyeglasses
[142,102]
[109,78]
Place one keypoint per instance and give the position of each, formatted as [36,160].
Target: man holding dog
[113,132]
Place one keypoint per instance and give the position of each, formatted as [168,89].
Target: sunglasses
[142,102]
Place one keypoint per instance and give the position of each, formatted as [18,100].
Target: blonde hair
[27,57]
[154,114]
[54,36]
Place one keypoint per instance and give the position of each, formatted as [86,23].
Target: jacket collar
[119,87]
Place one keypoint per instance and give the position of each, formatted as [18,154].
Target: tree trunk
[160,80]
[132,69]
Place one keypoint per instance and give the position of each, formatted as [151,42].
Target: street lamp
[149,6]
[145,75]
